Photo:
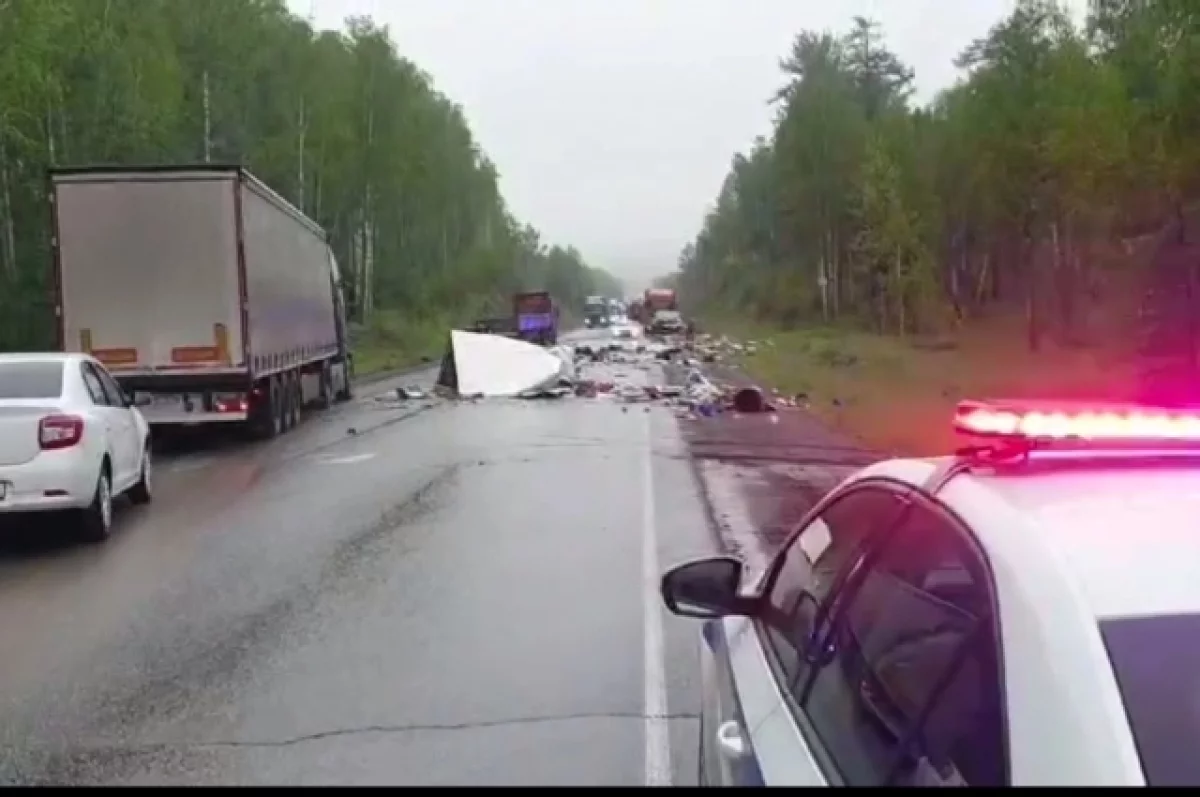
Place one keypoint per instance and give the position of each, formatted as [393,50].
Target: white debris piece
[700,388]
[498,366]
[566,354]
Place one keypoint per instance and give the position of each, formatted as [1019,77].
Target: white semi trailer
[209,297]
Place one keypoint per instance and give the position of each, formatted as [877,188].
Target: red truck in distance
[655,299]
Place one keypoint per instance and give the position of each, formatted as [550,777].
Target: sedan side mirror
[706,588]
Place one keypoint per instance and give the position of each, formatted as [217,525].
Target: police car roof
[1128,534]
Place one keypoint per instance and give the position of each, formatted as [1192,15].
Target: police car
[1025,612]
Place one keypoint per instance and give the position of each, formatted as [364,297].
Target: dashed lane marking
[347,460]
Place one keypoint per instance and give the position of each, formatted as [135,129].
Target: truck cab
[536,317]
[596,312]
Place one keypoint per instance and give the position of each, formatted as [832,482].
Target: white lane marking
[348,460]
[658,743]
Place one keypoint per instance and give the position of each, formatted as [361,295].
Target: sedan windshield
[1157,665]
[31,380]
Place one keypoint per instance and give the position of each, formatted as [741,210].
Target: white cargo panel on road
[148,268]
[289,287]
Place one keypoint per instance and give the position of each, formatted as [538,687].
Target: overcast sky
[613,122]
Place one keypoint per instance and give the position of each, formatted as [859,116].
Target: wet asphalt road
[763,473]
[447,594]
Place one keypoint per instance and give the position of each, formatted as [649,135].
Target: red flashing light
[1097,423]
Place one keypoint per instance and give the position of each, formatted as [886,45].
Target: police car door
[757,661]
[904,689]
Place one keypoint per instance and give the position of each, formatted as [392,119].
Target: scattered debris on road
[409,393]
[482,365]
[716,349]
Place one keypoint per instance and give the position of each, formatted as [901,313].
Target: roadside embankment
[896,395]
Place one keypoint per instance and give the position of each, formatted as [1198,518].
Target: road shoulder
[761,473]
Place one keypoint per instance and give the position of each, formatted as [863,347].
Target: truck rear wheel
[287,403]
[325,396]
[272,411]
[296,390]
[345,391]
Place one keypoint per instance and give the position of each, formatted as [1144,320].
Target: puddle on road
[816,479]
[738,524]
[758,505]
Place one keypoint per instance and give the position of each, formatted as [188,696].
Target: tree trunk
[206,109]
[1033,321]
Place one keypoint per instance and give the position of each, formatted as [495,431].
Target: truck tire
[287,403]
[275,408]
[325,396]
[297,392]
[285,406]
[345,389]
[258,424]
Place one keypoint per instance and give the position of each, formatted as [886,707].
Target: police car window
[1157,665]
[910,693]
[812,562]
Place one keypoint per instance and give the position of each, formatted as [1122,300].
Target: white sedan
[626,330]
[70,440]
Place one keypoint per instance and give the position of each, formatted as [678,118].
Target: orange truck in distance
[655,299]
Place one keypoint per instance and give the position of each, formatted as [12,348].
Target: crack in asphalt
[756,458]
[187,666]
[363,730]
[65,764]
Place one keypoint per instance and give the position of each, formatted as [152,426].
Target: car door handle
[730,741]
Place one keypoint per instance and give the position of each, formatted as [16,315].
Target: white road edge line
[658,742]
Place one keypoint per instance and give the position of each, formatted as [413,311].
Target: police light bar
[1046,422]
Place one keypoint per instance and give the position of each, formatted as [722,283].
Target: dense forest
[338,122]
[1025,188]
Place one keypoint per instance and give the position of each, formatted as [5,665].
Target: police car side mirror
[706,588]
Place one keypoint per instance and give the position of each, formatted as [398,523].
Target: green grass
[897,395]
[392,341]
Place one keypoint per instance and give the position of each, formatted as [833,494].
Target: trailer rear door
[148,269]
